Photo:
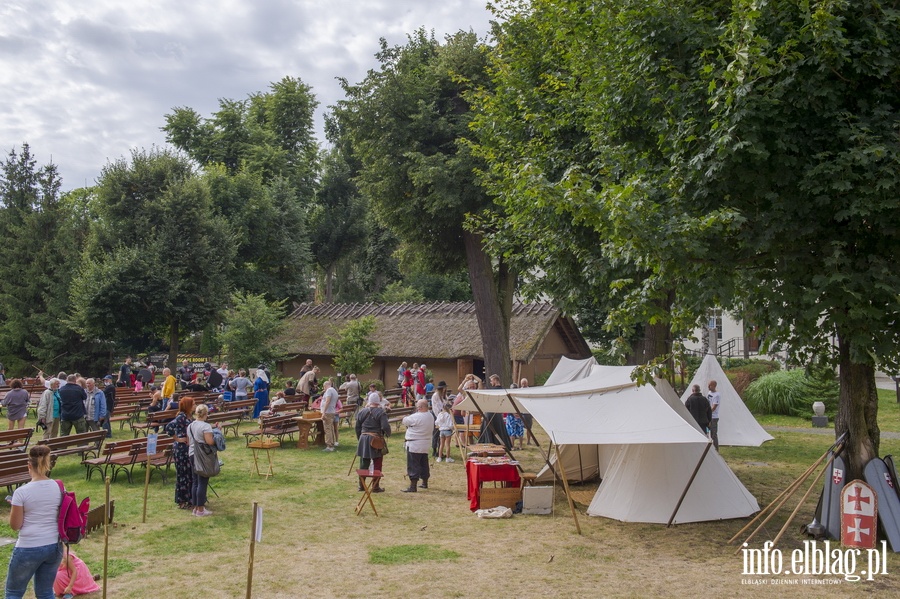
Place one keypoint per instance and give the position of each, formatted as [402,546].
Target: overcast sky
[84,82]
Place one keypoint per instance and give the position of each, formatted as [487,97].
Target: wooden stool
[263,445]
[368,480]
[527,478]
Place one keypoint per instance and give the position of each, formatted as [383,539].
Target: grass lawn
[429,543]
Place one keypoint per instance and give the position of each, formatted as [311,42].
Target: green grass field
[429,543]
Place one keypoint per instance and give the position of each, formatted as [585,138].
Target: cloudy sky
[84,82]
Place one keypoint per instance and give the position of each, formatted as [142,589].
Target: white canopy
[737,426]
[640,439]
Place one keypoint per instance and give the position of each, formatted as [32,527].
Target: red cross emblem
[837,476]
[859,515]
[858,500]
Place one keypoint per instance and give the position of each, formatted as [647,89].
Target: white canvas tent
[568,370]
[643,444]
[737,426]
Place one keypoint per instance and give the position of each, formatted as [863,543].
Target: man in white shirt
[714,400]
[329,412]
[419,427]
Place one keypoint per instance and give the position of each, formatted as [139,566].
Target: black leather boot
[424,484]
[412,485]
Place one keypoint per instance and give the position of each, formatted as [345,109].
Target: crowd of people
[73,403]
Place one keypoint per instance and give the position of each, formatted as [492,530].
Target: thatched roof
[434,330]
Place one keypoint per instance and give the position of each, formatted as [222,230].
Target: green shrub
[792,392]
[743,372]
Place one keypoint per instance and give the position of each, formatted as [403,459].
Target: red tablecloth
[479,473]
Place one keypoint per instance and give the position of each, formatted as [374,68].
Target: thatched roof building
[443,335]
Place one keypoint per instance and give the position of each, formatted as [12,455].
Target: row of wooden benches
[116,457]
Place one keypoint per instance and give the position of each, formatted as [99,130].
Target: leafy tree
[251,323]
[42,241]
[740,155]
[407,125]
[353,348]
[337,222]
[571,122]
[269,134]
[269,237]
[261,159]
[155,260]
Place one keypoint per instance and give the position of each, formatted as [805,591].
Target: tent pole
[528,428]
[566,488]
[508,452]
[580,464]
[689,483]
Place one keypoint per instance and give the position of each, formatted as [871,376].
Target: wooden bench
[290,407]
[277,426]
[14,471]
[160,461]
[396,415]
[244,405]
[154,420]
[347,413]
[118,456]
[82,444]
[227,420]
[16,439]
[125,413]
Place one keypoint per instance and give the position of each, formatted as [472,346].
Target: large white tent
[737,426]
[568,370]
[642,442]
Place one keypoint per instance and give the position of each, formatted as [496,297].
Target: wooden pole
[796,482]
[789,493]
[146,484]
[689,483]
[528,428]
[766,509]
[566,487]
[106,539]
[505,449]
[252,549]
[802,501]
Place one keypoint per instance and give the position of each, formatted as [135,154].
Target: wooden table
[305,426]
[368,480]
[263,445]
[476,474]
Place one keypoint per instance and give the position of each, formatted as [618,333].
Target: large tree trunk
[329,284]
[657,339]
[857,412]
[173,344]
[493,295]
